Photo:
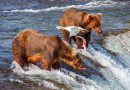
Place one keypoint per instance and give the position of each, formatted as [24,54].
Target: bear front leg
[46,65]
[66,35]
[87,37]
[56,65]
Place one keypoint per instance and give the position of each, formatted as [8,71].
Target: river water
[107,58]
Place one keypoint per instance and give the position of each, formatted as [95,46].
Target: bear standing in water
[32,46]
[76,17]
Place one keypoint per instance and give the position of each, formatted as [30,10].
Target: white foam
[16,80]
[120,44]
[69,79]
[48,84]
[16,67]
[91,5]
[117,71]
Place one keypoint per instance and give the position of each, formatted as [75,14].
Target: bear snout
[79,65]
[100,32]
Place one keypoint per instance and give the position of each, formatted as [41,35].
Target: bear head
[93,22]
[76,60]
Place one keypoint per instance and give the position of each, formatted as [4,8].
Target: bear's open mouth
[82,68]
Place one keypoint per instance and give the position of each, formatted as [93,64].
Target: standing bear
[76,17]
[32,46]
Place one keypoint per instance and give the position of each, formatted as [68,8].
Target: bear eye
[91,18]
[80,61]
[97,25]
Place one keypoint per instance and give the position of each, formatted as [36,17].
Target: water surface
[107,58]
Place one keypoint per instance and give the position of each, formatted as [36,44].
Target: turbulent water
[107,58]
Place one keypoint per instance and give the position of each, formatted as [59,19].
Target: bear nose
[100,32]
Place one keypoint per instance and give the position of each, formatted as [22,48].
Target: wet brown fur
[32,46]
[76,17]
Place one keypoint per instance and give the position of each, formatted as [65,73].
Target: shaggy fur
[32,46]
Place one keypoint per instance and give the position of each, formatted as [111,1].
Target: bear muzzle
[80,65]
[100,32]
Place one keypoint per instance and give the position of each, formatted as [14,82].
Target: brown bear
[76,17]
[32,46]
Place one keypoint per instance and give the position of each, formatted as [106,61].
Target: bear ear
[74,52]
[90,16]
[99,14]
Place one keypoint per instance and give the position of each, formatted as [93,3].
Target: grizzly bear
[76,17]
[32,46]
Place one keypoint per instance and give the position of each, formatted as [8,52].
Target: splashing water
[69,79]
